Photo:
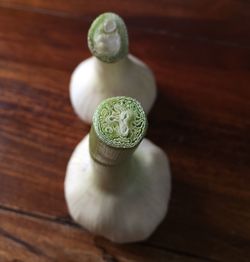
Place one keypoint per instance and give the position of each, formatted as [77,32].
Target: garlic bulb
[110,71]
[115,186]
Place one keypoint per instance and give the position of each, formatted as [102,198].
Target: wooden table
[200,54]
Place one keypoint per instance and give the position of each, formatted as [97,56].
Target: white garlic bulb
[111,71]
[113,187]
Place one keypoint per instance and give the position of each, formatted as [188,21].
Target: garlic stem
[108,38]
[119,125]
[113,178]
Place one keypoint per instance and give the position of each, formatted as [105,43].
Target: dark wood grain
[223,22]
[43,240]
[205,9]
[201,119]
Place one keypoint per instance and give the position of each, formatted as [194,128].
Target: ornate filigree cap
[120,122]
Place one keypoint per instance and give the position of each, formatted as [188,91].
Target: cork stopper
[119,125]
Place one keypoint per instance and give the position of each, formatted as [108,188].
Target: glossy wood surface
[200,54]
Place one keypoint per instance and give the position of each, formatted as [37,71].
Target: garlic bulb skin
[111,71]
[116,188]
[128,212]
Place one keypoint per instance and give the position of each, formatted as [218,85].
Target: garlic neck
[119,125]
[112,179]
[105,154]
[114,68]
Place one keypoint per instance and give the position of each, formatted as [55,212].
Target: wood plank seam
[105,255]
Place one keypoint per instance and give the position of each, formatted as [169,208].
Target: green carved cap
[120,122]
[108,38]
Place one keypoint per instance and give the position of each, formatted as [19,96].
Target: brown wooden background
[199,51]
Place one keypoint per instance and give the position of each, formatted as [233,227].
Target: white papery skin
[93,81]
[124,204]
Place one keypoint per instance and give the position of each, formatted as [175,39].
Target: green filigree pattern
[120,122]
